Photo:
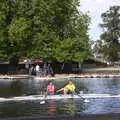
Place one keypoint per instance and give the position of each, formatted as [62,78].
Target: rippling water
[21,87]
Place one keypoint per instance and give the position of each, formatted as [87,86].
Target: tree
[71,50]
[98,46]
[60,24]
[15,28]
[40,28]
[111,33]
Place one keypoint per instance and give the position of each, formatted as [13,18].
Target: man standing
[37,68]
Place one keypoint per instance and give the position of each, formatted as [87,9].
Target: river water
[20,87]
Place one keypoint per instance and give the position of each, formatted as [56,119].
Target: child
[51,89]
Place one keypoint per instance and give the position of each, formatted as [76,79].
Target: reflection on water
[12,89]
[63,106]
[67,107]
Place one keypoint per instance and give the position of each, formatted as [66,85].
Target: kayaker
[51,88]
[69,88]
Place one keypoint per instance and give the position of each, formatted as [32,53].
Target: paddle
[43,101]
[85,100]
[45,94]
[74,93]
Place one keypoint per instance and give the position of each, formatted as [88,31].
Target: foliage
[111,34]
[46,29]
[15,28]
[98,46]
[71,50]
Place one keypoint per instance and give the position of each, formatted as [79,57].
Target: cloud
[96,8]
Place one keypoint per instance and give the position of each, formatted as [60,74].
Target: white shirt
[37,67]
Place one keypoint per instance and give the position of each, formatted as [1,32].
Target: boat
[58,97]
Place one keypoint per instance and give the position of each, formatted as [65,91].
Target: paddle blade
[42,102]
[86,101]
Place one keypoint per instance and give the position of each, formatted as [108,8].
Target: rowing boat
[57,97]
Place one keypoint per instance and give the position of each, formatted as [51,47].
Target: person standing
[37,68]
[31,70]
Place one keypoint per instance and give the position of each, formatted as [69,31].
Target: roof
[38,61]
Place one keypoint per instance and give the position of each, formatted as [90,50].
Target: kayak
[57,97]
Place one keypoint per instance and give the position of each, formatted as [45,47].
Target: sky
[96,8]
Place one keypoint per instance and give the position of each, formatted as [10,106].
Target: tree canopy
[111,33]
[44,29]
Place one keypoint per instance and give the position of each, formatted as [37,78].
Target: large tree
[39,28]
[111,33]
[60,24]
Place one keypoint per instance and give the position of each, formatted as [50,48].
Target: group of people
[67,89]
[41,70]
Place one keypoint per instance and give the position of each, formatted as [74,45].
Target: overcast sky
[96,8]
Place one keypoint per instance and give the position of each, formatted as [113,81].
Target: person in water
[69,88]
[50,88]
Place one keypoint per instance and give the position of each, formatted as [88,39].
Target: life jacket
[51,89]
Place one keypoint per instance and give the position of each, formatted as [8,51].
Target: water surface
[20,87]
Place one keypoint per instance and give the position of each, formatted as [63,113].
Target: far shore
[60,76]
